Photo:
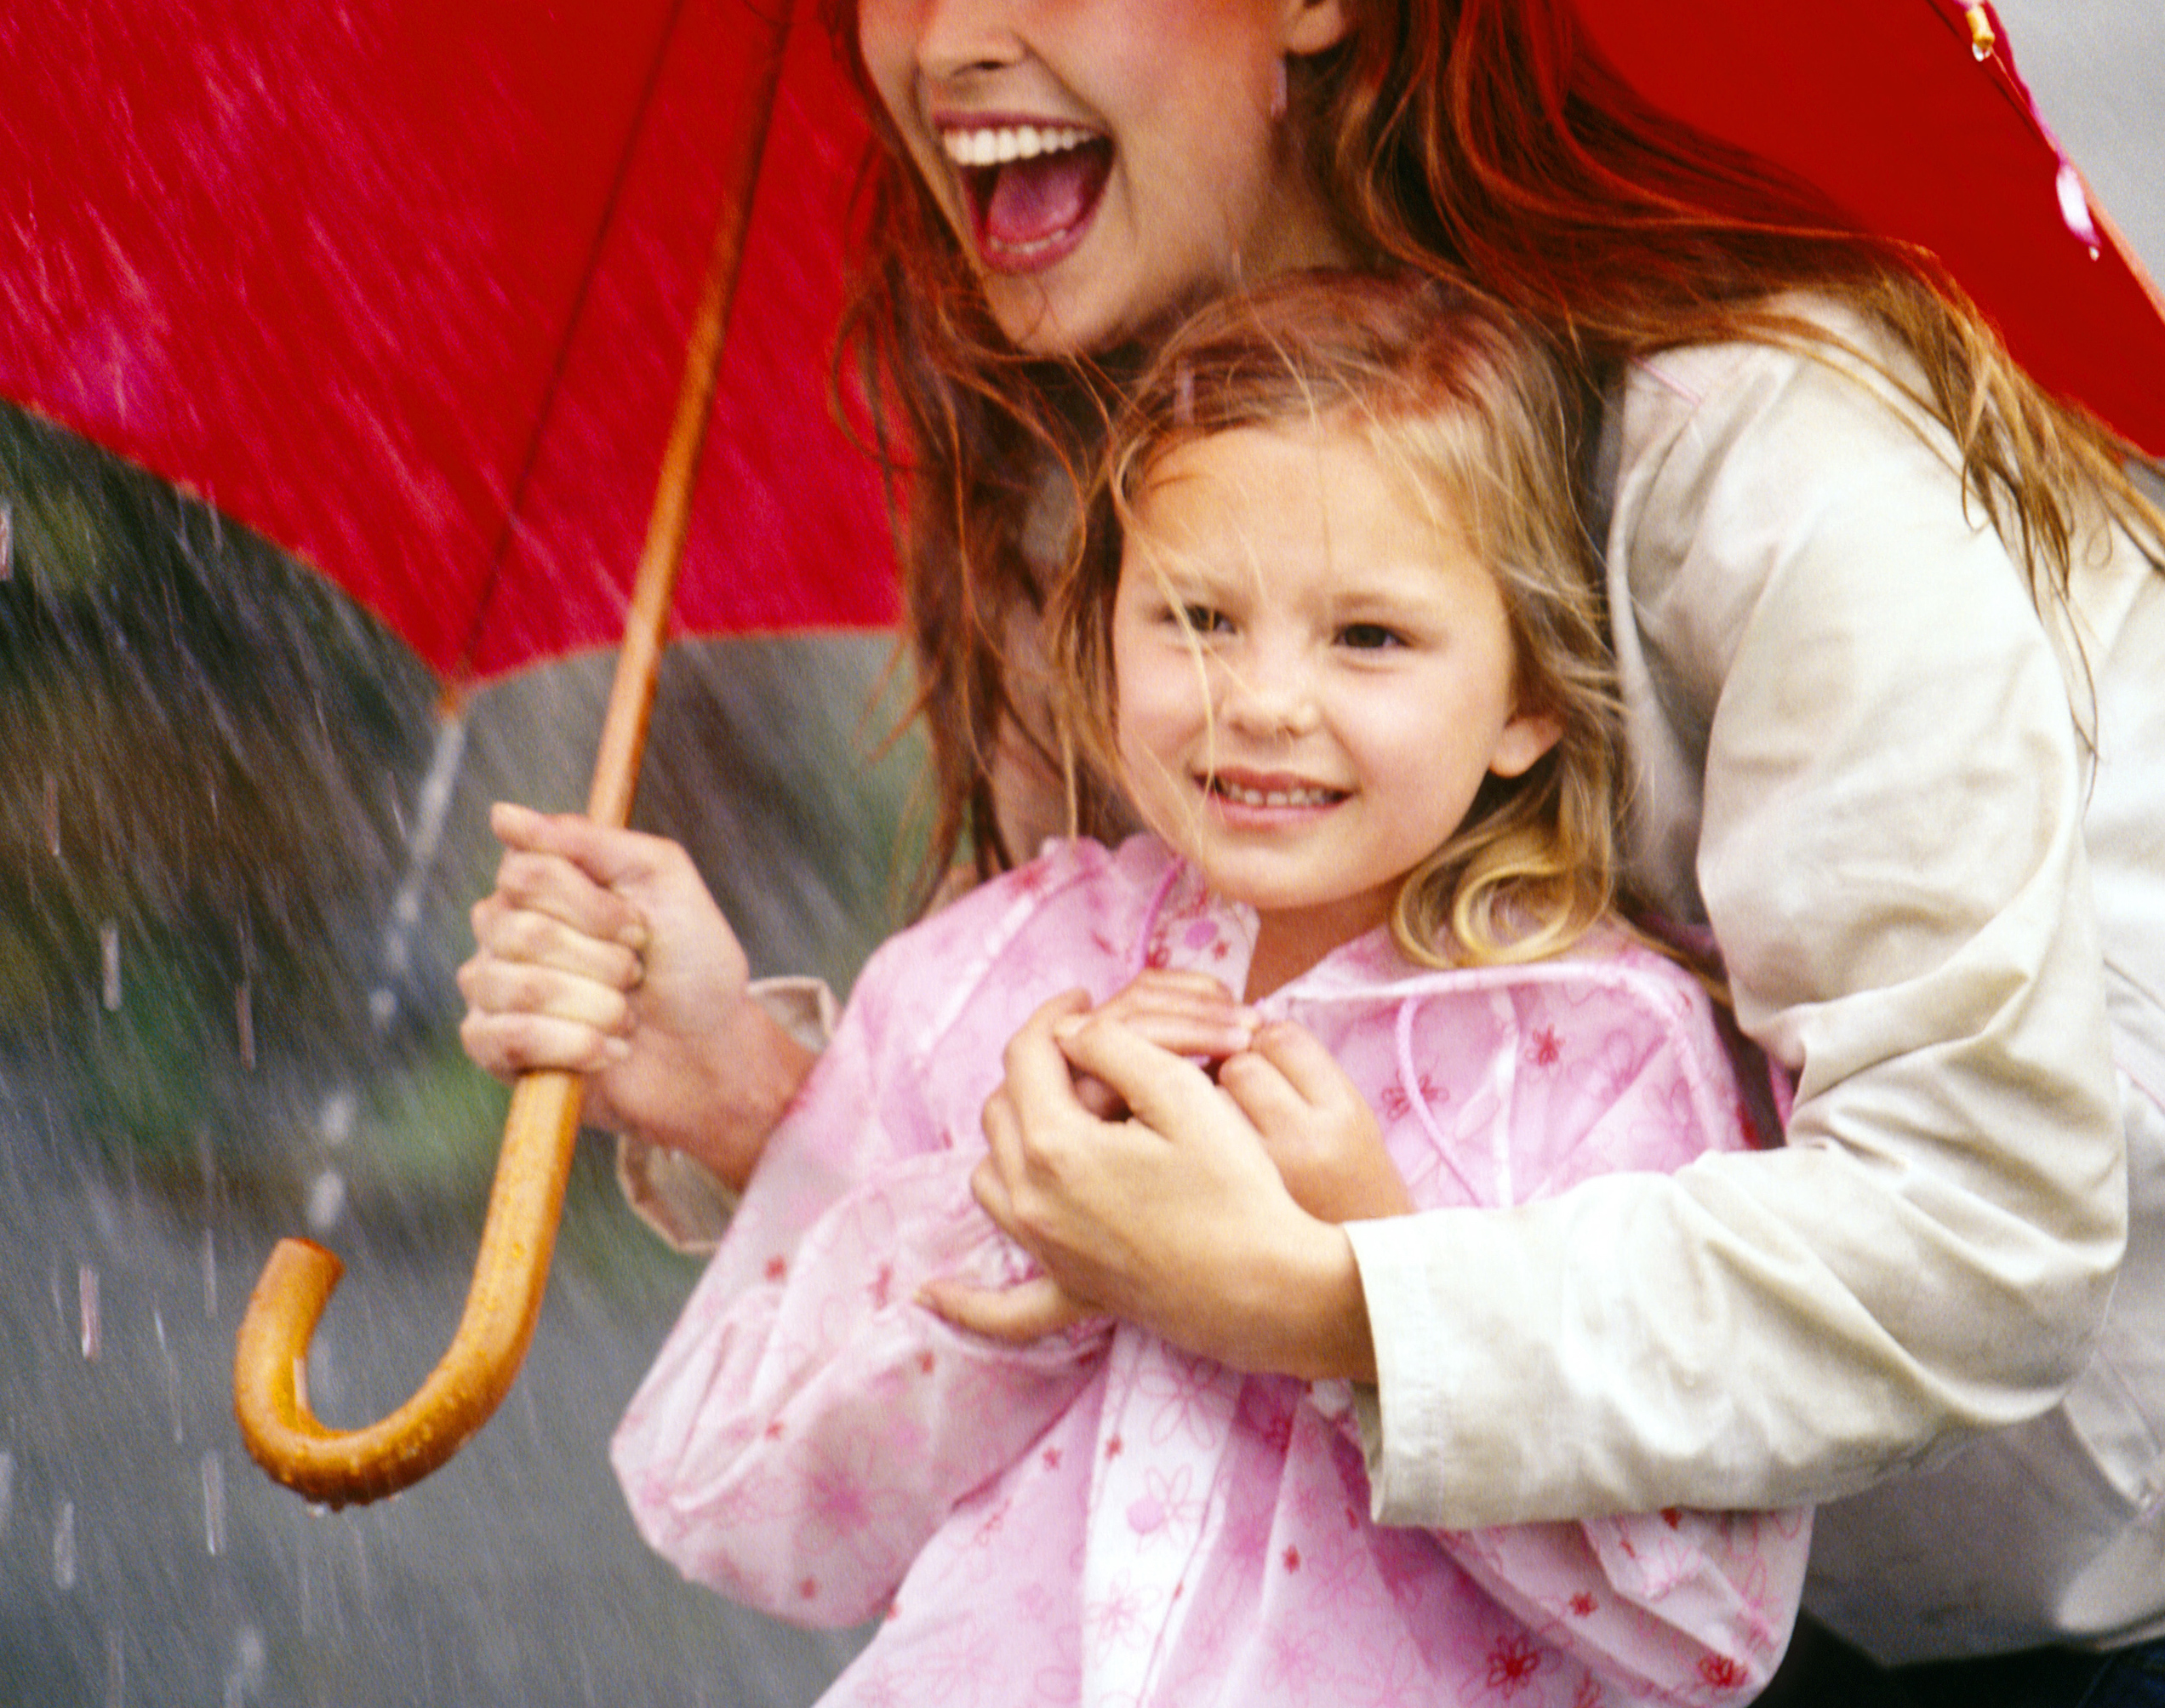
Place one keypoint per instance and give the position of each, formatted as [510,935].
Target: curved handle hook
[511,1273]
[512,1270]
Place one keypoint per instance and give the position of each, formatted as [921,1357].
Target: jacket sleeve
[1853,741]
[806,1425]
[800,1438]
[683,1202]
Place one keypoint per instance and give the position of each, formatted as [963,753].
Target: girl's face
[1312,678]
[1103,160]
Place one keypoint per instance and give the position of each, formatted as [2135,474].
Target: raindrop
[211,1275]
[109,959]
[7,539]
[52,814]
[244,1023]
[6,1490]
[172,1372]
[86,1296]
[64,1547]
[326,1200]
[250,1656]
[116,1671]
[214,1487]
[334,1121]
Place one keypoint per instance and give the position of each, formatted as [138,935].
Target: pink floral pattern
[1102,1519]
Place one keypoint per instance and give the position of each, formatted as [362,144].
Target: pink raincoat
[1101,1518]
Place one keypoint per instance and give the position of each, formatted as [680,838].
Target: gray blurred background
[210,1036]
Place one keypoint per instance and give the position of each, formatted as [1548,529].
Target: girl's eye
[1203,620]
[1369,637]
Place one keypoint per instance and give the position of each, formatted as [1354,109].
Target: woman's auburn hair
[1467,411]
[1487,140]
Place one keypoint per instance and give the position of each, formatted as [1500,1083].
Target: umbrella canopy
[406,288]
[1910,114]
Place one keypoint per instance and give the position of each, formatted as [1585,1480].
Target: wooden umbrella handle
[512,1272]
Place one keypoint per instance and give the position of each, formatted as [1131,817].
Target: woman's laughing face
[1103,161]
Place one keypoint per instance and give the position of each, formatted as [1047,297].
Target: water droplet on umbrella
[326,1200]
[64,1560]
[108,964]
[214,1488]
[86,1299]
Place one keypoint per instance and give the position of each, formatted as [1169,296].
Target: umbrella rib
[515,504]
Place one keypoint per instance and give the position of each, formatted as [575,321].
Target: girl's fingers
[1189,1014]
[1262,1092]
[1299,1055]
[1287,1077]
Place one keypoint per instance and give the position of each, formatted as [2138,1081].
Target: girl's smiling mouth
[1032,188]
[1269,794]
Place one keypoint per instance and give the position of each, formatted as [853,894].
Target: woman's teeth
[1242,795]
[998,145]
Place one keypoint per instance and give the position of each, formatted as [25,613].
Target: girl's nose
[1270,699]
[955,38]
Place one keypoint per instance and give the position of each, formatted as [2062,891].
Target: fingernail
[1067,1028]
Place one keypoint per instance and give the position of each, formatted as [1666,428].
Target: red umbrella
[404,286]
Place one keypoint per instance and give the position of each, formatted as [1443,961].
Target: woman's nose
[955,38]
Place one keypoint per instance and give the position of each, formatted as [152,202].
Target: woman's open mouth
[1032,188]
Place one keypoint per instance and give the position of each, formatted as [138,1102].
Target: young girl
[1348,665]
[1832,513]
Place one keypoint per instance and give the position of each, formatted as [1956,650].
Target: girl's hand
[601,952]
[1315,1126]
[1189,1014]
[1175,1220]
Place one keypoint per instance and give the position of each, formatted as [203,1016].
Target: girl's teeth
[1240,794]
[998,145]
